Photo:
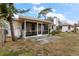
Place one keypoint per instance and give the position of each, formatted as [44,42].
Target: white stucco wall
[56,22]
[78,30]
[72,28]
[64,28]
[17,29]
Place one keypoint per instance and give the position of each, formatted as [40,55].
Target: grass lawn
[67,46]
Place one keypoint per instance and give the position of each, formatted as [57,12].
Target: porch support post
[49,28]
[25,29]
[37,28]
[41,28]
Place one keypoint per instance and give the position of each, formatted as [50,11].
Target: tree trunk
[12,30]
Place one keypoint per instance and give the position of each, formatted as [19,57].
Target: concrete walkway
[48,39]
[42,39]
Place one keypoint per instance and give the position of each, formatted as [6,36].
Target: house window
[69,27]
[6,31]
[52,27]
[60,27]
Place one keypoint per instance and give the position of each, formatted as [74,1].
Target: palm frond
[45,11]
[48,9]
[38,16]
[3,8]
[22,11]
[12,7]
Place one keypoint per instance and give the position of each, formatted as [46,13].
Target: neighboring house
[28,26]
[77,27]
[67,27]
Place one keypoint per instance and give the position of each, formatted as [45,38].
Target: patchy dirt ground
[68,45]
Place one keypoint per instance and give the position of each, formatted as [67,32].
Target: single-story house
[28,26]
[67,27]
[77,27]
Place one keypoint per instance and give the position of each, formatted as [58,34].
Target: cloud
[67,4]
[38,9]
[16,16]
[53,10]
[60,16]
[71,22]
[36,3]
[35,10]
[77,19]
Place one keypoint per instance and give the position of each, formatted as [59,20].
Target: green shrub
[54,32]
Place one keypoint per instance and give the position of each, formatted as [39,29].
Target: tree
[3,25]
[44,12]
[58,27]
[7,11]
[50,19]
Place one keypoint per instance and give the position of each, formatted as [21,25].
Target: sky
[65,11]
